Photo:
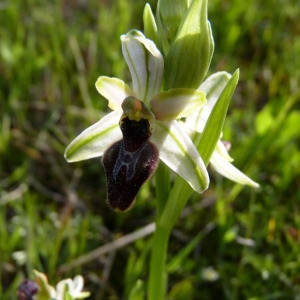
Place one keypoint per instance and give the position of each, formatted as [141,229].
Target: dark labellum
[129,162]
[26,290]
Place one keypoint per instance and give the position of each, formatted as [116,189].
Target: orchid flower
[65,289]
[220,159]
[142,128]
[72,288]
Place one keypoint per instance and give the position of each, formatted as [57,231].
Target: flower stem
[162,183]
[177,198]
[174,201]
[157,279]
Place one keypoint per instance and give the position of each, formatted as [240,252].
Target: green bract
[169,15]
[175,147]
[190,53]
[219,88]
[150,27]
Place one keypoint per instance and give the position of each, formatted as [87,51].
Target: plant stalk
[157,278]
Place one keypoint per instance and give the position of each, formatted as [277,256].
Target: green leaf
[213,128]
[137,292]
[183,290]
[178,259]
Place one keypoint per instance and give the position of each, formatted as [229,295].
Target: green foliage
[214,125]
[51,212]
[188,69]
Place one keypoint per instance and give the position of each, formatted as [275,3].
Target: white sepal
[93,141]
[228,170]
[213,87]
[178,152]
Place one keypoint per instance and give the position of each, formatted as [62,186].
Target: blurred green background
[232,242]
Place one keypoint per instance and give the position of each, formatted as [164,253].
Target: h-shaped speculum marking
[127,159]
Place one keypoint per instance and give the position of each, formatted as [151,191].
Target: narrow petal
[145,64]
[179,153]
[93,141]
[114,90]
[177,103]
[226,169]
[213,87]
